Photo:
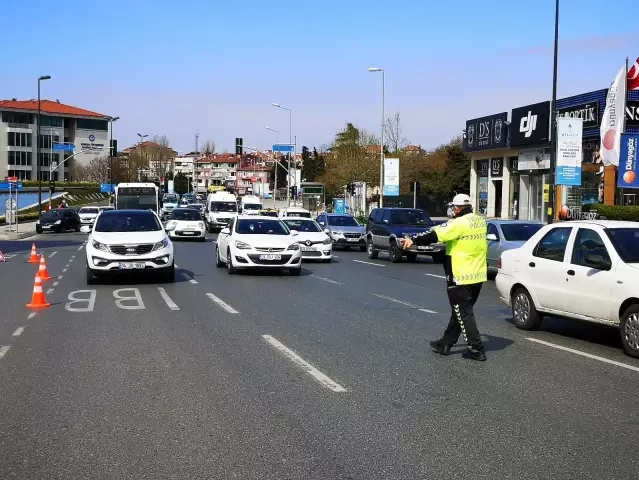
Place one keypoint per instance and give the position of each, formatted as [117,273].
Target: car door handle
[571,272]
[531,264]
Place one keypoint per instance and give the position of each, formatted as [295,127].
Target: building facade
[84,134]
[218,169]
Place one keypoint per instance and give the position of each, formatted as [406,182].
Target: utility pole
[414,194]
[195,160]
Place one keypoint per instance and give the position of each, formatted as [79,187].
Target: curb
[16,236]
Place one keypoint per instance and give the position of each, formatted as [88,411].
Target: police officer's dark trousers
[462,320]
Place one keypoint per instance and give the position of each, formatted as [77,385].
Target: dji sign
[528,124]
[531,125]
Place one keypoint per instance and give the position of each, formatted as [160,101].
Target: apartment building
[253,169]
[68,135]
[217,169]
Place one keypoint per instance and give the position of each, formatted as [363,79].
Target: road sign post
[283,148]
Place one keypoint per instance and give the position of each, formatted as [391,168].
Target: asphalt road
[322,376]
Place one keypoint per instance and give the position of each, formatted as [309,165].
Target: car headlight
[161,244]
[328,241]
[37,222]
[337,233]
[100,246]
[58,222]
[293,246]
[172,225]
[242,245]
[200,225]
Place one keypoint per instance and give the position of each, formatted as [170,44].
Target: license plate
[352,239]
[308,249]
[46,226]
[428,247]
[132,266]
[270,257]
[189,233]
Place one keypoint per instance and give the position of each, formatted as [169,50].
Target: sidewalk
[25,229]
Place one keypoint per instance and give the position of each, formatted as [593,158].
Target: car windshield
[261,227]
[52,214]
[303,225]
[519,232]
[194,206]
[89,210]
[342,221]
[127,222]
[410,217]
[185,214]
[252,206]
[298,214]
[626,242]
[223,206]
[170,199]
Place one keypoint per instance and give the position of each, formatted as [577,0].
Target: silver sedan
[507,235]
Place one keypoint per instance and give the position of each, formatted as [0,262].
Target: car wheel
[395,253]
[438,257]
[525,315]
[38,230]
[295,272]
[411,257]
[218,261]
[229,262]
[362,248]
[169,274]
[629,329]
[372,251]
[90,276]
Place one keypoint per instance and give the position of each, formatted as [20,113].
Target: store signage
[482,168]
[530,124]
[391,177]
[569,155]
[628,176]
[574,212]
[590,151]
[534,159]
[486,133]
[588,112]
[632,113]
[496,167]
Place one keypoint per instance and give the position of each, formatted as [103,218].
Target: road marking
[165,296]
[64,270]
[391,299]
[307,367]
[18,332]
[584,354]
[53,254]
[31,315]
[222,304]
[80,247]
[50,291]
[436,276]
[369,263]
[4,350]
[72,256]
[70,260]
[328,280]
[11,255]
[60,277]
[137,297]
[55,284]
[73,299]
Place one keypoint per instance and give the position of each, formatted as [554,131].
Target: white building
[219,169]
[85,133]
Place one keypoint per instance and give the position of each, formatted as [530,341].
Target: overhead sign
[283,147]
[632,113]
[569,150]
[391,177]
[12,185]
[628,176]
[530,124]
[486,133]
[339,206]
[65,147]
[588,112]
[106,188]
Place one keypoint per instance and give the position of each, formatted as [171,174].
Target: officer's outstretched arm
[425,238]
[449,231]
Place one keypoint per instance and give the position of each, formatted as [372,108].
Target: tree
[281,172]
[313,165]
[159,155]
[181,183]
[208,147]
[131,167]
[393,134]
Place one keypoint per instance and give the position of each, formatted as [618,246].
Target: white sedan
[314,243]
[186,223]
[585,270]
[129,241]
[257,242]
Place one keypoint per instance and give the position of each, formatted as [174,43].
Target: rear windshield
[303,225]
[342,221]
[223,206]
[130,222]
[519,232]
[298,214]
[89,210]
[185,214]
[52,214]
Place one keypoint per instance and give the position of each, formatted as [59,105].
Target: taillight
[499,264]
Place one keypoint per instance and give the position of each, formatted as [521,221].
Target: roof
[49,107]
[600,223]
[127,212]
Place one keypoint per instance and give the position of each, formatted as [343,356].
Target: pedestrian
[465,268]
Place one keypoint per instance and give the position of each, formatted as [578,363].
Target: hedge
[614,212]
[34,183]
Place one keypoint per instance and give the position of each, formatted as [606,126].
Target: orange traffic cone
[34,255]
[43,273]
[38,299]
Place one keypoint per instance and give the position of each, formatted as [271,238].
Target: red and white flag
[613,119]
[633,76]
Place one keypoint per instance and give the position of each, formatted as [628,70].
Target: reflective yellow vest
[466,246]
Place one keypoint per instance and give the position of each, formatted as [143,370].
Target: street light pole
[275,165]
[553,122]
[381,147]
[113,154]
[38,168]
[142,137]
[290,142]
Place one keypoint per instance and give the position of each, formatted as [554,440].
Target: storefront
[630,196]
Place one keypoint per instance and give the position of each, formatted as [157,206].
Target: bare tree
[208,147]
[97,170]
[131,167]
[394,135]
[159,155]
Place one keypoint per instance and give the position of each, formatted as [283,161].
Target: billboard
[391,177]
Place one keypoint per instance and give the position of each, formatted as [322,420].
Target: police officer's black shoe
[470,354]
[440,348]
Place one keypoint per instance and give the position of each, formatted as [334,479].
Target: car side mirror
[225,231]
[326,230]
[386,221]
[597,261]
[321,223]
[294,232]
[491,237]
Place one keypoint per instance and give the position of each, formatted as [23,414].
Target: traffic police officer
[465,268]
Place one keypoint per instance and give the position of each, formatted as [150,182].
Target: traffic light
[52,186]
[418,187]
[239,146]
[114,148]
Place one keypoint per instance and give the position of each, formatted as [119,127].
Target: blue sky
[176,68]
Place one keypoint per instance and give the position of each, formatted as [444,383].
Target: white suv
[129,241]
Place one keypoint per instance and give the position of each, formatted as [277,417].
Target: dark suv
[386,225]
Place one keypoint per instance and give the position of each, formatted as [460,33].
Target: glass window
[185,214]
[130,222]
[553,245]
[409,217]
[261,227]
[492,228]
[626,243]
[19,158]
[223,207]
[47,141]
[303,225]
[91,124]
[16,118]
[47,121]
[519,232]
[342,221]
[17,139]
[252,206]
[21,174]
[588,242]
[52,214]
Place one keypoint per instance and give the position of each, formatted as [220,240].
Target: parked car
[344,230]
[584,270]
[59,220]
[386,225]
[505,235]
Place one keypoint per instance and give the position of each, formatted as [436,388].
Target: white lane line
[53,254]
[584,354]
[50,291]
[191,280]
[391,299]
[72,256]
[327,280]
[10,255]
[70,260]
[18,332]
[369,263]
[307,367]
[165,296]
[31,315]
[80,247]
[221,303]
[4,350]
[64,270]
[436,276]
[60,277]
[55,284]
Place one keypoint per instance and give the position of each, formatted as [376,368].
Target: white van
[251,205]
[220,208]
[295,212]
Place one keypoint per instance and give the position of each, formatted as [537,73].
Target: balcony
[20,125]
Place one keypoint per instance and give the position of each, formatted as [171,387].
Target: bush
[628,213]
[88,185]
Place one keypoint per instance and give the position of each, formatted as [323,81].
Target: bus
[137,196]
